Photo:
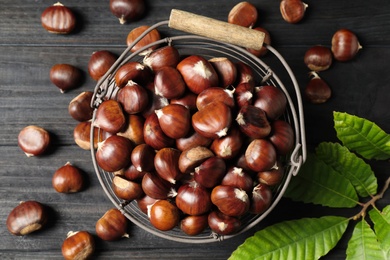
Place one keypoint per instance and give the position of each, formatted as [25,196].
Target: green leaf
[364,244]
[381,222]
[352,167]
[307,238]
[362,136]
[318,183]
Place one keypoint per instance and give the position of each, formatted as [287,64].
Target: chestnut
[154,135]
[230,200]
[198,73]
[194,225]
[282,136]
[237,177]
[318,58]
[270,99]
[292,10]
[27,217]
[192,157]
[133,129]
[192,140]
[68,179]
[127,10]
[133,98]
[65,76]
[133,71]
[58,19]
[164,215]
[244,14]
[213,94]
[210,172]
[174,120]
[169,83]
[317,91]
[213,121]
[156,187]
[82,135]
[260,155]
[272,177]
[345,45]
[112,225]
[132,174]
[152,36]
[164,56]
[193,199]
[80,108]
[126,189]
[145,202]
[155,101]
[253,122]
[228,146]
[78,245]
[223,224]
[33,140]
[142,156]
[100,62]
[243,94]
[166,163]
[245,74]
[114,153]
[188,99]
[261,199]
[110,116]
[226,70]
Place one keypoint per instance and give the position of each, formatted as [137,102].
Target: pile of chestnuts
[196,142]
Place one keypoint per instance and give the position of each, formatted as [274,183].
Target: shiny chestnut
[58,19]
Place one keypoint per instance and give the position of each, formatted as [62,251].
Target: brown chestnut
[154,135]
[237,177]
[133,129]
[127,10]
[245,74]
[174,120]
[260,155]
[292,10]
[243,94]
[133,98]
[317,91]
[80,107]
[149,38]
[193,199]
[33,140]
[230,200]
[214,94]
[58,19]
[345,45]
[210,172]
[318,58]
[99,63]
[78,245]
[68,179]
[192,140]
[213,121]
[261,199]
[166,163]
[253,122]
[228,146]
[194,225]
[110,116]
[164,56]
[27,217]
[145,202]
[226,70]
[65,76]
[142,156]
[223,224]
[244,14]
[271,99]
[188,99]
[192,157]
[282,136]
[198,73]
[272,177]
[113,154]
[156,187]
[164,215]
[82,135]
[112,225]
[133,71]
[169,83]
[126,189]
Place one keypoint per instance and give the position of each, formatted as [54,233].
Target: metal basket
[208,48]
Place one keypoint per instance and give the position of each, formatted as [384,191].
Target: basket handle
[215,29]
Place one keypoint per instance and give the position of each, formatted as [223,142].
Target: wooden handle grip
[215,29]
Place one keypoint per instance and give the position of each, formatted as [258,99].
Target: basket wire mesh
[208,48]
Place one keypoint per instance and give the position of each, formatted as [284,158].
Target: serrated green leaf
[348,164]
[307,238]
[364,244]
[381,222]
[318,183]
[362,136]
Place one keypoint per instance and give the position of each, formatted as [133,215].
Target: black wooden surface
[27,97]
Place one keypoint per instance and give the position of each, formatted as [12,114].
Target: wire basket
[208,48]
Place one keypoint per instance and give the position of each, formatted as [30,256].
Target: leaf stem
[372,201]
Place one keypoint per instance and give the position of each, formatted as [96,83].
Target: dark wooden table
[27,97]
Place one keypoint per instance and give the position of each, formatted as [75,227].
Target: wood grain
[27,96]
